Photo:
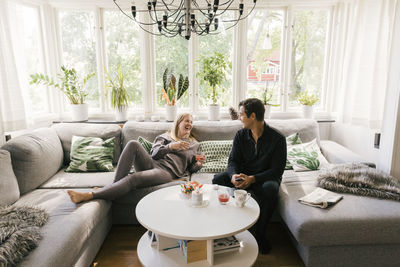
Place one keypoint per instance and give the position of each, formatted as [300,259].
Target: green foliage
[213,72]
[306,159]
[119,93]
[68,83]
[307,99]
[267,97]
[171,94]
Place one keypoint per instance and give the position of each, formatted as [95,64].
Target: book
[193,250]
[226,243]
[320,198]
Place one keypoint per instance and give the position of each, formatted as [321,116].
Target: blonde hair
[173,133]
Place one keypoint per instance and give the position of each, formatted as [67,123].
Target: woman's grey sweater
[179,162]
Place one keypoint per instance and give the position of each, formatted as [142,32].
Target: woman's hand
[180,145]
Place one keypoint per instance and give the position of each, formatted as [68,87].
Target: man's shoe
[264,247]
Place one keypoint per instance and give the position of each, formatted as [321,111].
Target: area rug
[19,232]
[361,180]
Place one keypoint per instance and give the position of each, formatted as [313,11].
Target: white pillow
[306,157]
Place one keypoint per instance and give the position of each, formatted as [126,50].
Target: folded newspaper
[321,198]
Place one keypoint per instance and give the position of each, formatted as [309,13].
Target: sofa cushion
[91,154]
[353,220]
[149,130]
[64,179]
[68,228]
[215,130]
[217,154]
[8,182]
[308,129]
[65,132]
[36,157]
[306,156]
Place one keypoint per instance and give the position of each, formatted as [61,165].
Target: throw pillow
[8,181]
[306,156]
[217,154]
[146,144]
[293,139]
[91,154]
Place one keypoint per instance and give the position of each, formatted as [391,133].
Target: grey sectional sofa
[358,231]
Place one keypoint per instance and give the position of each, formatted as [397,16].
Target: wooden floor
[119,248]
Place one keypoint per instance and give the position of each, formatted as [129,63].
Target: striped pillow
[146,144]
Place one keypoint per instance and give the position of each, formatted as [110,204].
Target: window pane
[122,44]
[171,53]
[30,57]
[79,48]
[222,43]
[264,41]
[308,52]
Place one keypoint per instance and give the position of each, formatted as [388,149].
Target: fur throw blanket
[360,179]
[19,232]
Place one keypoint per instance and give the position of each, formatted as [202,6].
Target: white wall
[356,138]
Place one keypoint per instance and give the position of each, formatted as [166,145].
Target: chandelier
[184,17]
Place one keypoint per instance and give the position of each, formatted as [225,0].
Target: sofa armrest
[336,153]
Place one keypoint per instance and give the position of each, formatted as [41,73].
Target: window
[171,53]
[29,56]
[122,48]
[222,43]
[308,53]
[264,42]
[79,48]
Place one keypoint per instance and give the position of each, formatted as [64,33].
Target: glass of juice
[223,196]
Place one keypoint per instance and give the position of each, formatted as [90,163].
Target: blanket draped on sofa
[360,179]
[19,232]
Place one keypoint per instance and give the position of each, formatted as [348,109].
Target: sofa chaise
[358,231]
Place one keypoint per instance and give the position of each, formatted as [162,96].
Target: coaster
[203,204]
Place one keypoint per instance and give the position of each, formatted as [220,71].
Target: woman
[172,156]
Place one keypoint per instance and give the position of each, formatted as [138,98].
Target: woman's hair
[173,133]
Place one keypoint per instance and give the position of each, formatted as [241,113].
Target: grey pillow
[8,182]
[36,157]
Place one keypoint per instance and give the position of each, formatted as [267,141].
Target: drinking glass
[223,196]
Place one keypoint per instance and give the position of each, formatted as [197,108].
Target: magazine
[226,244]
[321,198]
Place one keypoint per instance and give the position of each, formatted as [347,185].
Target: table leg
[210,251]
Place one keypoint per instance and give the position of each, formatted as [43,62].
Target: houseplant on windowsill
[172,92]
[267,97]
[213,73]
[118,92]
[307,100]
[70,85]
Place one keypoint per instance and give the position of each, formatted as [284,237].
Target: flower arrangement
[190,187]
[170,93]
[307,99]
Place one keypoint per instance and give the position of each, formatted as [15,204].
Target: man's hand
[180,145]
[242,181]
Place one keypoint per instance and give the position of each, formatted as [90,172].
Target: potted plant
[119,94]
[307,100]
[71,86]
[267,97]
[172,92]
[213,73]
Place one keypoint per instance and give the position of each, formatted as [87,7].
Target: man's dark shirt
[265,159]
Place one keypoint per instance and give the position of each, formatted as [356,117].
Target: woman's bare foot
[78,197]
[96,188]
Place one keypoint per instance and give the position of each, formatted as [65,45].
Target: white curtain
[368,27]
[12,115]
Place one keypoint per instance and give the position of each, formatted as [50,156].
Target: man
[256,164]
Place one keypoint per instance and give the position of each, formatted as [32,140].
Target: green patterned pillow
[91,154]
[217,154]
[293,139]
[306,157]
[146,144]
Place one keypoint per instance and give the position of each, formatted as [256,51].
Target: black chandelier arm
[131,17]
[179,7]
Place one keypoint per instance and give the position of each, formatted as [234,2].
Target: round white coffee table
[165,213]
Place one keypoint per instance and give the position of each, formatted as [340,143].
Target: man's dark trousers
[265,194]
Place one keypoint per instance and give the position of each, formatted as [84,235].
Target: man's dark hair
[255,105]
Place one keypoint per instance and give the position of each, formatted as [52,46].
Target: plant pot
[79,112]
[308,112]
[170,112]
[213,112]
[267,114]
[121,113]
